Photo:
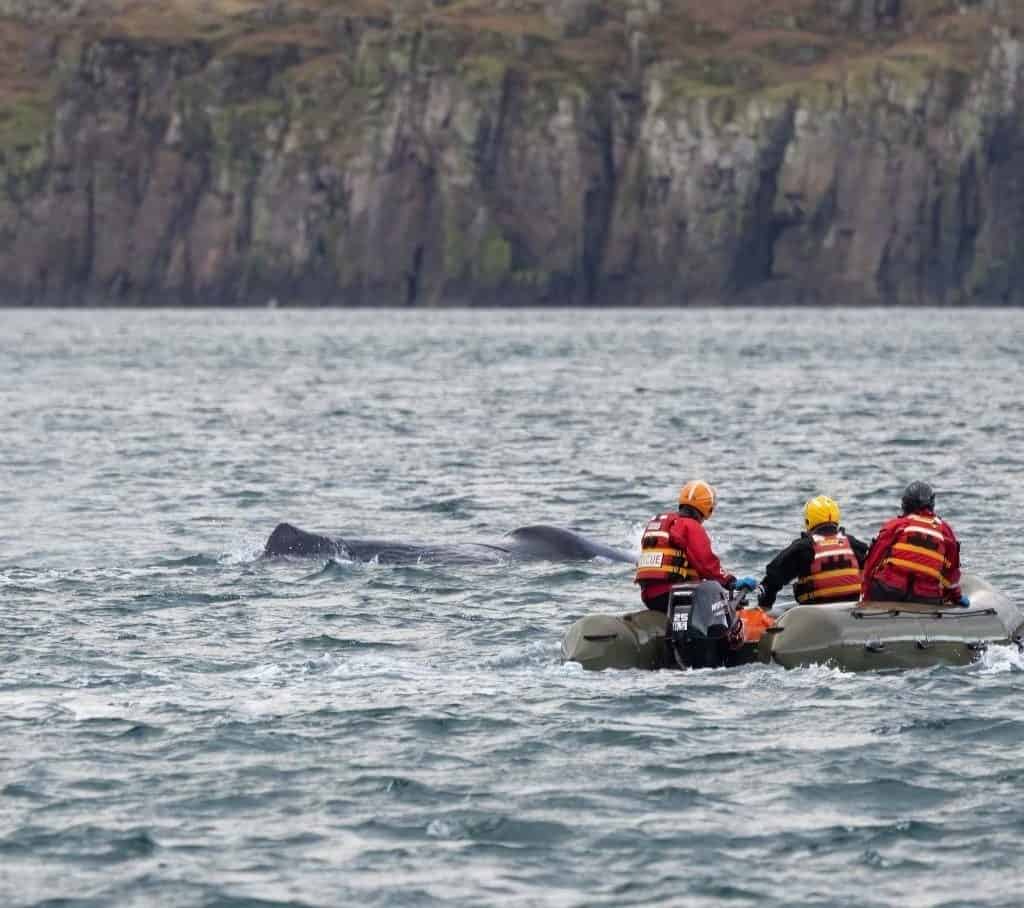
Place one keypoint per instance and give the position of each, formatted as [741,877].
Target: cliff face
[511,151]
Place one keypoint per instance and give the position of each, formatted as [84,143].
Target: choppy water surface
[184,724]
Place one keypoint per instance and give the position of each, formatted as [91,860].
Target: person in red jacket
[915,557]
[675,548]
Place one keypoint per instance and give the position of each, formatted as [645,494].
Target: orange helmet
[699,496]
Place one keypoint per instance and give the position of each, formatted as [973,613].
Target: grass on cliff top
[176,21]
[714,46]
[735,45]
[742,45]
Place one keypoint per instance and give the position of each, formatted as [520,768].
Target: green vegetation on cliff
[427,151]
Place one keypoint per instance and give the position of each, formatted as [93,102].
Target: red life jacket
[659,558]
[834,575]
[917,558]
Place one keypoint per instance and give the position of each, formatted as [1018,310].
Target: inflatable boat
[860,636]
[680,637]
[893,635]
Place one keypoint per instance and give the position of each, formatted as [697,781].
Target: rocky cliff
[428,152]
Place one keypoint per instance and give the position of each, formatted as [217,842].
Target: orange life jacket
[920,547]
[659,558]
[834,574]
[755,622]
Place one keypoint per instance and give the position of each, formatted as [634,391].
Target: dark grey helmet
[916,496]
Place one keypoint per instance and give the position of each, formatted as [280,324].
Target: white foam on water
[534,654]
[998,660]
[442,829]
[264,672]
[805,678]
[83,707]
[244,548]
[636,533]
[369,665]
[281,703]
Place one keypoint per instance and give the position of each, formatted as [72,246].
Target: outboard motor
[702,625]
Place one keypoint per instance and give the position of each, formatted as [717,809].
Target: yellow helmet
[819,510]
[699,496]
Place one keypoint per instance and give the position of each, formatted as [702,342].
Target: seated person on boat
[675,549]
[823,563]
[916,556]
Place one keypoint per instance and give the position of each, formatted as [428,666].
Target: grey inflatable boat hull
[636,640]
[863,637]
[893,635]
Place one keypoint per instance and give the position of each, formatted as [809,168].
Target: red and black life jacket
[659,558]
[834,575]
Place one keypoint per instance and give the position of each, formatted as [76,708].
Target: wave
[187,561]
[998,660]
[328,643]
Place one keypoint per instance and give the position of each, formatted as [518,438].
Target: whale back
[532,542]
[290,540]
[556,544]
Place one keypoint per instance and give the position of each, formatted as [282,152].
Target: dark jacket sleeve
[792,562]
[860,549]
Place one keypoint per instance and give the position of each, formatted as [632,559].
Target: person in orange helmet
[675,548]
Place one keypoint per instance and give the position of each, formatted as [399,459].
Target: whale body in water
[539,543]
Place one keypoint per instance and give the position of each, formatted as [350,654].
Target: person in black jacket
[823,563]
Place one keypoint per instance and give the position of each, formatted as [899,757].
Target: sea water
[183,723]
